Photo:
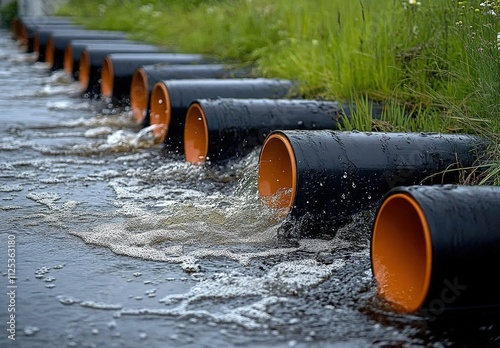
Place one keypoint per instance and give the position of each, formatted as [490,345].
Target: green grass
[8,13]
[434,65]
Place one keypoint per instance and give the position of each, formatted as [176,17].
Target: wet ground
[119,243]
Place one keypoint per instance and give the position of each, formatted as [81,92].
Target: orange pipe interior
[49,51]
[36,43]
[401,252]
[84,70]
[139,94]
[277,178]
[107,78]
[68,59]
[195,135]
[160,110]
[23,35]
[14,27]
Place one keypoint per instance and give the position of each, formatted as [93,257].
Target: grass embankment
[435,64]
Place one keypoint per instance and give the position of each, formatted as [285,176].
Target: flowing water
[119,243]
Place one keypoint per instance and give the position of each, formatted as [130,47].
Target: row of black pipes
[432,242]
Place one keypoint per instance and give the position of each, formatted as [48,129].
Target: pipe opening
[84,71]
[402,252]
[68,59]
[14,27]
[23,37]
[139,94]
[36,43]
[107,78]
[277,181]
[49,51]
[195,135]
[160,111]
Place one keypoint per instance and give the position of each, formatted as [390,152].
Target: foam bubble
[31,330]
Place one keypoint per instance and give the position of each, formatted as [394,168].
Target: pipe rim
[84,71]
[68,59]
[107,78]
[160,110]
[139,94]
[277,185]
[196,135]
[402,262]
[49,51]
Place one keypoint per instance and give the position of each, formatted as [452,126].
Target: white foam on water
[10,188]
[126,189]
[48,199]
[261,292]
[31,330]
[67,105]
[55,135]
[161,238]
[59,78]
[14,144]
[117,141]
[10,207]
[25,58]
[48,90]
[133,157]
[105,174]
[59,212]
[100,305]
[98,132]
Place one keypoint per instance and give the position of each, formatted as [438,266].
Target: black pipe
[224,128]
[170,100]
[25,24]
[91,61]
[57,43]
[75,47]
[320,178]
[433,248]
[147,76]
[42,35]
[45,19]
[118,69]
[28,32]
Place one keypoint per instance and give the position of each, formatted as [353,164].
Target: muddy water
[119,243]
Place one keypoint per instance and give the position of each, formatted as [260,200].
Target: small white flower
[102,9]
[146,8]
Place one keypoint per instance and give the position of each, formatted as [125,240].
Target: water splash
[66,105]
[144,138]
